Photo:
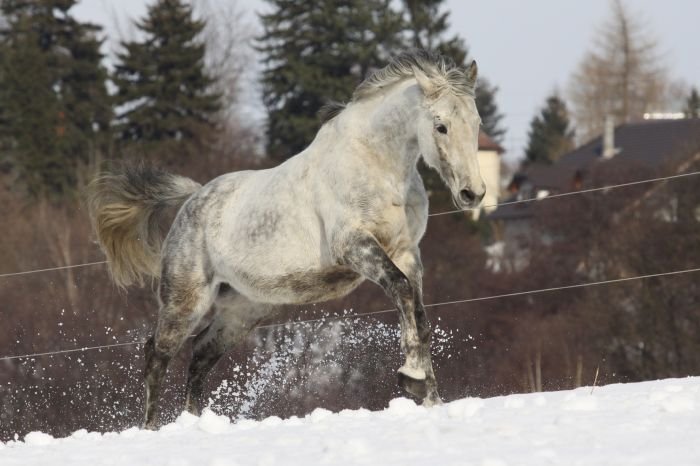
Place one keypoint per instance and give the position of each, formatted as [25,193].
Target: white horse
[350,207]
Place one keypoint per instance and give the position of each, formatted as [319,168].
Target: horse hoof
[433,399]
[149,426]
[417,388]
[192,407]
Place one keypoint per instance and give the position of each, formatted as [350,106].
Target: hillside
[649,423]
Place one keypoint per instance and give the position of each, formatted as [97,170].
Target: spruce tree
[427,25]
[165,98]
[315,52]
[692,105]
[54,107]
[491,117]
[550,134]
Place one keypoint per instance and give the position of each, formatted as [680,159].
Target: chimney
[609,149]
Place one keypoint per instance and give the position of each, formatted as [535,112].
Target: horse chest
[400,228]
[392,237]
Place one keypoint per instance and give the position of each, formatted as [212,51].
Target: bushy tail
[131,209]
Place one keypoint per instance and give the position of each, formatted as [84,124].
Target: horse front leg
[431,397]
[411,265]
[366,256]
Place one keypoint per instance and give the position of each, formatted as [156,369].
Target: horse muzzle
[468,198]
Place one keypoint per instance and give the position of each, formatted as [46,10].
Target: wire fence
[383,311]
[51,269]
[435,214]
[572,193]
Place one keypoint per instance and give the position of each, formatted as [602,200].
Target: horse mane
[330,111]
[441,69]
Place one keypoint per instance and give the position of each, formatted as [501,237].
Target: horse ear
[472,71]
[424,82]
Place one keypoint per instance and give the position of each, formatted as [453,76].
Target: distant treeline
[168,97]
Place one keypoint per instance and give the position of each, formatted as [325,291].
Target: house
[489,157]
[633,151]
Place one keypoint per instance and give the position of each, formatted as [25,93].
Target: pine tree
[550,134]
[692,105]
[55,110]
[165,97]
[427,26]
[30,109]
[315,52]
[491,117]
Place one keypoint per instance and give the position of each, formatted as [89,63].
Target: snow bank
[650,423]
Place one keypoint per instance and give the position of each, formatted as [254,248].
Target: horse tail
[131,210]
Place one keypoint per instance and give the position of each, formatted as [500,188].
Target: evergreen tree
[692,105]
[550,134]
[3,110]
[54,107]
[30,110]
[491,117]
[315,52]
[165,97]
[427,26]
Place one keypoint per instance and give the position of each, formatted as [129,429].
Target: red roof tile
[486,143]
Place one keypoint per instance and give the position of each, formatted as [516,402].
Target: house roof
[486,143]
[649,144]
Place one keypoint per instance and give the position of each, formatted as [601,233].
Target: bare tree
[230,59]
[623,75]
[229,56]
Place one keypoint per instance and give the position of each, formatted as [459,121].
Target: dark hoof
[149,426]
[433,399]
[193,408]
[417,388]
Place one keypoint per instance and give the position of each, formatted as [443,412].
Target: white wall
[490,167]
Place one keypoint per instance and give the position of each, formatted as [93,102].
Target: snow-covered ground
[650,423]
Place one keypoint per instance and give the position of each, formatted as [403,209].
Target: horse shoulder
[417,207]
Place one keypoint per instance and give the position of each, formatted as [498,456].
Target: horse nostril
[467,195]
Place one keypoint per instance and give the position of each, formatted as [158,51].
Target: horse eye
[441,129]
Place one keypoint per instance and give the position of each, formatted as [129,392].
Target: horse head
[448,132]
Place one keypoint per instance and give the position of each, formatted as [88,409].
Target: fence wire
[383,311]
[448,212]
[571,193]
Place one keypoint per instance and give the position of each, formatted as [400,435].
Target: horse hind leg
[185,301]
[234,318]
[208,347]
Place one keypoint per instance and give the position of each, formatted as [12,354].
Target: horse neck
[388,125]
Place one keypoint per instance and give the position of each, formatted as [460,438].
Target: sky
[527,48]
